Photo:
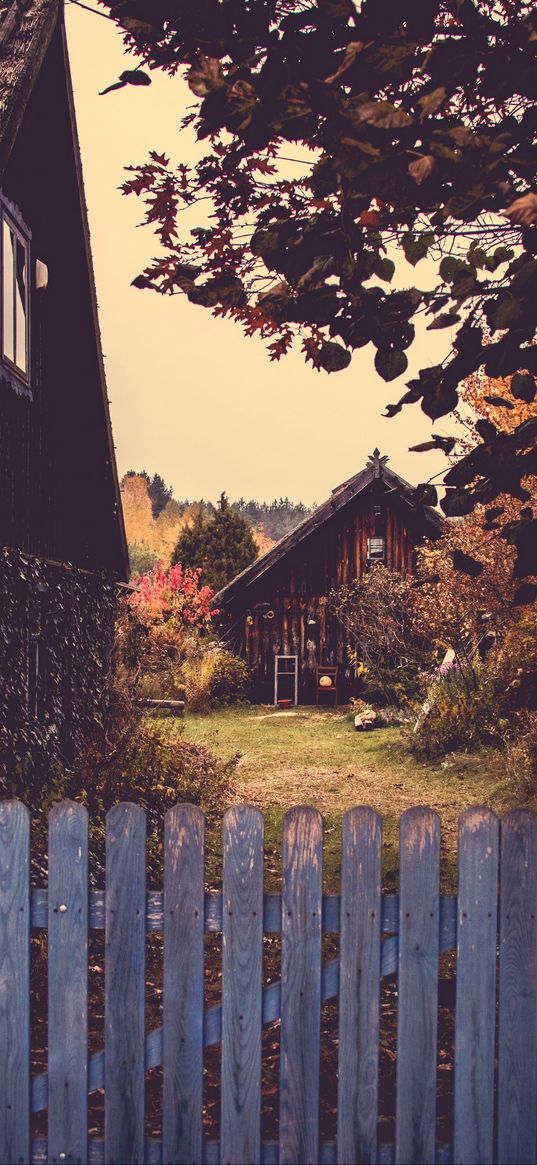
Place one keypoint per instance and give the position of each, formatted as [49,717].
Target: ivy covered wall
[56,636]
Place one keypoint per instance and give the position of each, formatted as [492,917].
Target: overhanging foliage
[341,135]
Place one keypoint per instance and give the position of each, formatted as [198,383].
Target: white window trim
[10,213]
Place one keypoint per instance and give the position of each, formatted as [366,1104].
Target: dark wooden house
[279,606]
[63,549]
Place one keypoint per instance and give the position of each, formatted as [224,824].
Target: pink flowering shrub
[173,595]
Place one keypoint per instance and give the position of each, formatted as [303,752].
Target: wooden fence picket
[517,1058]
[125,985]
[495,1112]
[359,987]
[301,986]
[419,917]
[242,985]
[475,1013]
[14,983]
[68,983]
[182,1051]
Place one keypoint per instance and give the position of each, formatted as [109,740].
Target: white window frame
[12,217]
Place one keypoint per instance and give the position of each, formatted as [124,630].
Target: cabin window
[376,550]
[15,298]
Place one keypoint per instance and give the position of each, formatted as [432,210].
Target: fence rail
[490,925]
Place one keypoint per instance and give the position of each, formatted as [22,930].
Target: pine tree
[220,547]
[159,492]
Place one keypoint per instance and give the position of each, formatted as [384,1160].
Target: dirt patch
[332,792]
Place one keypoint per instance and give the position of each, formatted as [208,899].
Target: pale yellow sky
[191,397]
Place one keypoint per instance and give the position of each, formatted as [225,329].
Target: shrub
[213,676]
[461,717]
[130,757]
[386,650]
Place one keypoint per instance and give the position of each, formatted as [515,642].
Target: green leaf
[499,402]
[385,269]
[457,503]
[523,387]
[416,248]
[333,357]
[526,593]
[503,315]
[467,564]
[425,494]
[390,364]
[439,400]
[449,268]
[445,320]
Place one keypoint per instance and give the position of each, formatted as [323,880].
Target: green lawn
[311,756]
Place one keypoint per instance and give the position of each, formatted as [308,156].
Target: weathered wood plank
[301,986]
[14,983]
[359,999]
[68,983]
[242,986]
[419,932]
[475,1015]
[517,1057]
[183,985]
[125,985]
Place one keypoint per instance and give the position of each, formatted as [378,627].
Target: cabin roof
[26,31]
[341,496]
[26,28]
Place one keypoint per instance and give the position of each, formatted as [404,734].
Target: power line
[94,11]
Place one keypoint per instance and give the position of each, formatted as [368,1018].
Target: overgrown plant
[388,651]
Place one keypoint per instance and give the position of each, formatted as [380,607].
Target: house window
[15,299]
[376,550]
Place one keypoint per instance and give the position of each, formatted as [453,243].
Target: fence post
[359,987]
[14,983]
[517,1054]
[419,941]
[475,1014]
[68,983]
[242,985]
[183,986]
[125,985]
[301,986]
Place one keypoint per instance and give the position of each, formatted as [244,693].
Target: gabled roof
[26,31]
[376,469]
[26,28]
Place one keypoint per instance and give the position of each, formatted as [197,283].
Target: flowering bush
[174,595]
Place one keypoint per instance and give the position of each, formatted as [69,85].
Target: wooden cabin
[277,610]
[62,544]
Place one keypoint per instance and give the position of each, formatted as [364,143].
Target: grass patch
[314,757]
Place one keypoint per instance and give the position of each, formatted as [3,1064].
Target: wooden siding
[57,488]
[297,590]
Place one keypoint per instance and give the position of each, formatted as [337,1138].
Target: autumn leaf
[430,102]
[421,168]
[381,114]
[351,52]
[206,76]
[523,211]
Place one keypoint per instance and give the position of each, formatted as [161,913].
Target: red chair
[326,689]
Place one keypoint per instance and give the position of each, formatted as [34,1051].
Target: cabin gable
[280,605]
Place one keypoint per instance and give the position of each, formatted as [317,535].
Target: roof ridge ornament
[376,462]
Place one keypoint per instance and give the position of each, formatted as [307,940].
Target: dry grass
[307,756]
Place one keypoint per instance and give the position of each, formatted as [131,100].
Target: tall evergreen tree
[220,547]
[160,494]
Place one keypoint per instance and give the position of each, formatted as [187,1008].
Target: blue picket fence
[491,925]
